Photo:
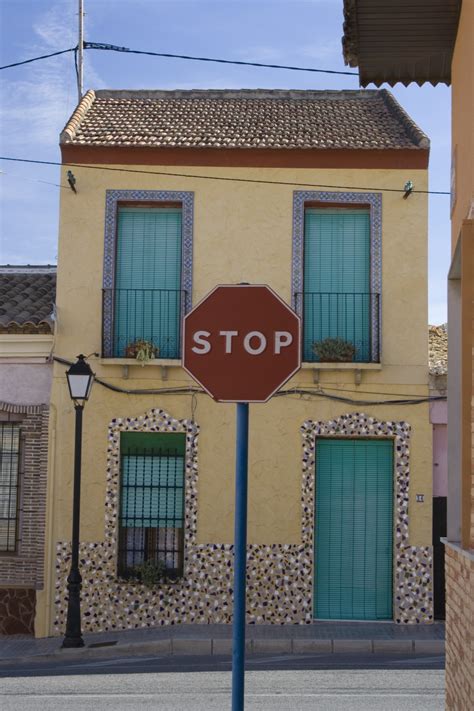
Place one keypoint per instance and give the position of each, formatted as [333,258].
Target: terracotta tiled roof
[438,350]
[27,295]
[243,119]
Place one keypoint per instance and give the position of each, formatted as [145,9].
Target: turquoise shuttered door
[336,299]
[353,530]
[148,279]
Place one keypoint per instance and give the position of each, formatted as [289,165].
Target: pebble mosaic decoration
[413,587]
[279,577]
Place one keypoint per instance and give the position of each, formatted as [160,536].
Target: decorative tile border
[112,198]
[413,590]
[279,577]
[374,200]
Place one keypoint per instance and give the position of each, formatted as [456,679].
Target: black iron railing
[151,525]
[9,486]
[135,316]
[352,317]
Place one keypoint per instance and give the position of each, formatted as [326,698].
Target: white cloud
[36,107]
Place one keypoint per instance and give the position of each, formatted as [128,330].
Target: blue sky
[37,99]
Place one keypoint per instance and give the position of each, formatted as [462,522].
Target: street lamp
[79,379]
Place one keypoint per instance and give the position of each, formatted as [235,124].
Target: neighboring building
[434,42]
[438,365]
[27,296]
[195,188]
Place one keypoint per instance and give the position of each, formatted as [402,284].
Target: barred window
[151,522]
[9,485]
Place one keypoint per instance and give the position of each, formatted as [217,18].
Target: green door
[353,529]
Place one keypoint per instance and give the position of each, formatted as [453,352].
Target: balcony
[151,315]
[352,317]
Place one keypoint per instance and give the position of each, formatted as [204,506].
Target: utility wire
[115,48]
[220,177]
[33,180]
[37,59]
[379,392]
[291,391]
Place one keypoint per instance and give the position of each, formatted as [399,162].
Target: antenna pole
[80,51]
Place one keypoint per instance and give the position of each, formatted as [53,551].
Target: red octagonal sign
[241,343]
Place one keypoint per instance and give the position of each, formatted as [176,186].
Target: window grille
[9,485]
[151,526]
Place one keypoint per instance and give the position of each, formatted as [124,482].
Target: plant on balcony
[142,350]
[334,350]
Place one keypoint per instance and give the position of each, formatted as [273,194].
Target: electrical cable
[292,391]
[167,55]
[221,178]
[33,180]
[37,59]
[373,392]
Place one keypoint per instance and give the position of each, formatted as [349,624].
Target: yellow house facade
[302,191]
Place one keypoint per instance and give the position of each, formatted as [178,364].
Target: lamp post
[79,379]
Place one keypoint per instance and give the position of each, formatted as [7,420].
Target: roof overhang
[401,40]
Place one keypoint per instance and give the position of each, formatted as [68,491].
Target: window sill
[169,362]
[356,368]
[341,366]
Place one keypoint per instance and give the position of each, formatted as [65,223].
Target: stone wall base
[17,610]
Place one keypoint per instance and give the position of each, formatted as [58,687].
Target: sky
[37,99]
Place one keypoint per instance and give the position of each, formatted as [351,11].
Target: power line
[192,390]
[167,55]
[37,59]
[381,392]
[32,180]
[260,181]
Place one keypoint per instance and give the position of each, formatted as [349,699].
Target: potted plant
[334,350]
[142,350]
[150,572]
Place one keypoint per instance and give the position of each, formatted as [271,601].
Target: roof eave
[401,60]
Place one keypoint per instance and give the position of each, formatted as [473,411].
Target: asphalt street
[277,690]
[115,664]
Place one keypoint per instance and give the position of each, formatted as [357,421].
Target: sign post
[241,343]
[240,555]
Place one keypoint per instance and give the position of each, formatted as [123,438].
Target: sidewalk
[324,637]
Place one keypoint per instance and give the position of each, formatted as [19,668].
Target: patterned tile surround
[374,202]
[279,577]
[112,200]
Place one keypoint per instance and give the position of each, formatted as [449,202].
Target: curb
[220,646]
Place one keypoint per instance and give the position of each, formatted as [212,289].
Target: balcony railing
[347,316]
[151,315]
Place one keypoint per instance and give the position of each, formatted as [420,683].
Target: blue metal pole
[240,556]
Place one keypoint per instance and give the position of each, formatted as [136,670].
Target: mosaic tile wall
[279,577]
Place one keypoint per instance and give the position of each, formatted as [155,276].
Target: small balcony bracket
[125,372]
[316,376]
[164,372]
[358,376]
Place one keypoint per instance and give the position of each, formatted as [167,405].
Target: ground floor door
[439,530]
[353,529]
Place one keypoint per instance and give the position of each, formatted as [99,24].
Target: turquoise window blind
[152,491]
[148,296]
[336,278]
[353,529]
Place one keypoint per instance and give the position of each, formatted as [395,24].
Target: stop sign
[241,343]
